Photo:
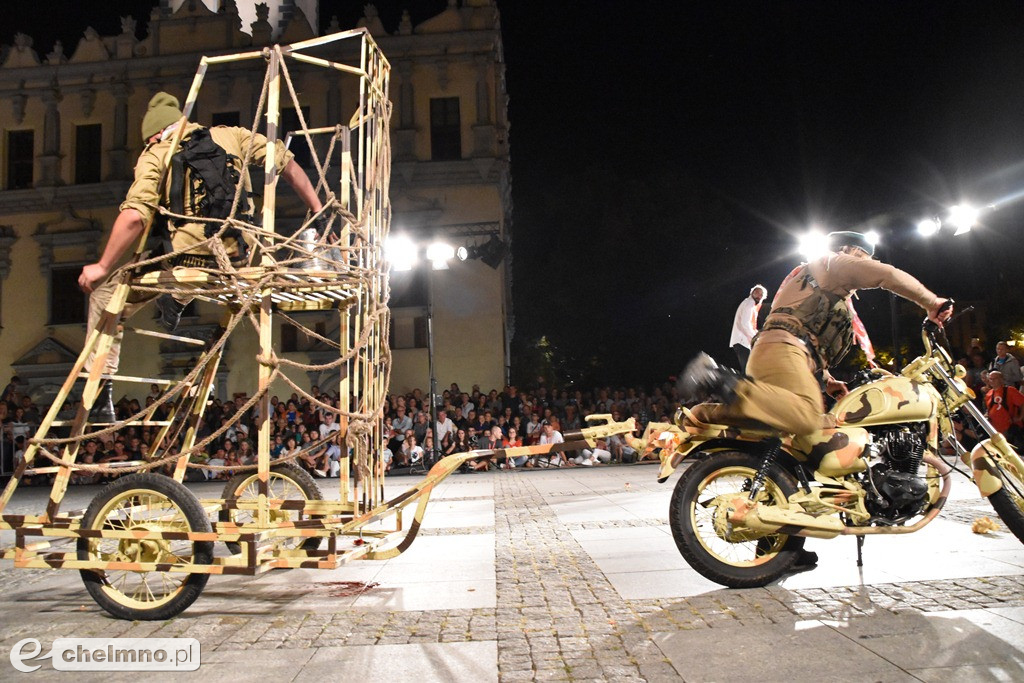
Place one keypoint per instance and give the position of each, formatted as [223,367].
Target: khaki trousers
[98,301]
[783,394]
[181,240]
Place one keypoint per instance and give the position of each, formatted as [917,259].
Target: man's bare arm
[127,227]
[296,177]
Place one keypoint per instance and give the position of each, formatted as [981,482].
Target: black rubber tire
[202,551]
[300,477]
[694,551]
[1008,500]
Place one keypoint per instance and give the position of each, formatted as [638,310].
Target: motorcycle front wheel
[1009,500]
[737,558]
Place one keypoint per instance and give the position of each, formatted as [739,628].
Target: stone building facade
[69,137]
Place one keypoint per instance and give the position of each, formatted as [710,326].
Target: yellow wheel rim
[741,548]
[141,510]
[280,487]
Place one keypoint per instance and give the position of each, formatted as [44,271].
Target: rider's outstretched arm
[296,177]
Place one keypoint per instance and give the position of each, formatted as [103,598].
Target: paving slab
[980,673]
[802,650]
[240,665]
[415,662]
[941,639]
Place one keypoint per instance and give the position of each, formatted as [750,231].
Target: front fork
[982,459]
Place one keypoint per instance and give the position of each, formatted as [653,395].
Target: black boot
[169,312]
[805,559]
[703,379]
[103,409]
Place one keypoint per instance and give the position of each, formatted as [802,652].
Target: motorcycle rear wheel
[748,561]
[1009,500]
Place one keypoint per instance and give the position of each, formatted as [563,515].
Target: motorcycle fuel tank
[886,401]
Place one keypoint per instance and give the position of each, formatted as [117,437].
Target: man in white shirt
[744,324]
[329,426]
[445,427]
[401,424]
[550,436]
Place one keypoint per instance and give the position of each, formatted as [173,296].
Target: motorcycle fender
[986,476]
[671,459]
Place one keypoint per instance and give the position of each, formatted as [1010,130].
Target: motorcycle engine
[896,492]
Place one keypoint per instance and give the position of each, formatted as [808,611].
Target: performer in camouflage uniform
[809,329]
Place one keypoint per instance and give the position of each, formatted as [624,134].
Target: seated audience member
[459,444]
[444,427]
[620,450]
[231,459]
[599,455]
[513,441]
[493,440]
[245,453]
[428,445]
[333,454]
[572,419]
[88,456]
[549,435]
[329,425]
[412,453]
[533,430]
[216,460]
[19,455]
[421,425]
[19,426]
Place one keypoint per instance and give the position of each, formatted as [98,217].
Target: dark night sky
[664,154]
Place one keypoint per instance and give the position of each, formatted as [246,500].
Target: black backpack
[208,173]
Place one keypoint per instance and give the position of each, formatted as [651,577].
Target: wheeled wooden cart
[146,544]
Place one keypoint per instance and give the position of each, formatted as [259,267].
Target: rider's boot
[805,558]
[169,310]
[103,409]
[703,378]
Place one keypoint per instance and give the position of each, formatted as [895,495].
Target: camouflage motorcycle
[741,510]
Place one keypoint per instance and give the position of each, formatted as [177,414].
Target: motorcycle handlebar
[930,330]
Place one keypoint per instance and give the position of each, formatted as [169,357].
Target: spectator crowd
[466,420]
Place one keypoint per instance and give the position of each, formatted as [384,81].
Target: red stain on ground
[345,589]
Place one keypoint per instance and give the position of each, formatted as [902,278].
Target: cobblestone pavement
[555,616]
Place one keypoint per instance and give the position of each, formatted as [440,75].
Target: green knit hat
[163,111]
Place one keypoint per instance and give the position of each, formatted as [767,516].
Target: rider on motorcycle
[810,328]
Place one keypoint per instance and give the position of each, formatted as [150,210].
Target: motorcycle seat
[705,416]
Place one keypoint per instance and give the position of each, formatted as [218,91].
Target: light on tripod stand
[492,252]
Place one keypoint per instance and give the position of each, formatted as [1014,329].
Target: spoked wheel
[734,557]
[286,482]
[145,503]
[1009,500]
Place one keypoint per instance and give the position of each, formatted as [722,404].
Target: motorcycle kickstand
[860,551]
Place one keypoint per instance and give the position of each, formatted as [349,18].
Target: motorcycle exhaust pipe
[744,513]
